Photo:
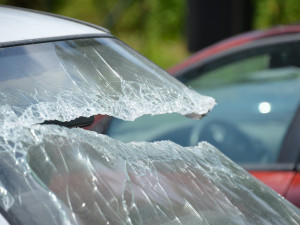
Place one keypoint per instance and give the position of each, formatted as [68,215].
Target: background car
[255,79]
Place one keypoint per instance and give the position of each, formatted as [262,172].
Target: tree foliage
[274,12]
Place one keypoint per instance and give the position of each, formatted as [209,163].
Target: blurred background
[169,31]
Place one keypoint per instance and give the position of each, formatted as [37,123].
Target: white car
[56,75]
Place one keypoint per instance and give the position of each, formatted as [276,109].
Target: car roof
[234,42]
[22,25]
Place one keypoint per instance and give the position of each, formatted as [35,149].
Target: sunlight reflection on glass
[264,107]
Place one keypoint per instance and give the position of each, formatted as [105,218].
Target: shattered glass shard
[6,199]
[68,79]
[101,180]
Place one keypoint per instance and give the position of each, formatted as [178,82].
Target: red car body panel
[294,190]
[279,181]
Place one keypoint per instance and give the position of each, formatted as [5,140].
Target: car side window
[257,97]
[232,72]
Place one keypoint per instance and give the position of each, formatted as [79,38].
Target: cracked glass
[51,174]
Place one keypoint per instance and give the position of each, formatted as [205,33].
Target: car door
[257,88]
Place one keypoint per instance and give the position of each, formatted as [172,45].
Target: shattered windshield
[51,174]
[93,75]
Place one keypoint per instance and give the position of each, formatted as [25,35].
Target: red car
[256,71]
[255,79]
